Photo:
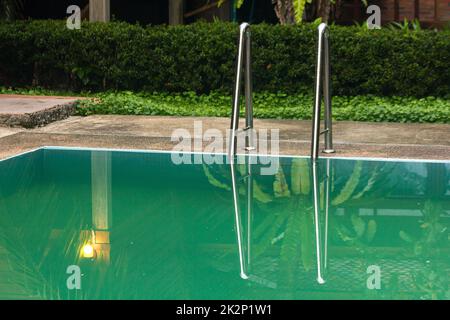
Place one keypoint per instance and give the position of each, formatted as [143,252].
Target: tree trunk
[323,10]
[319,9]
[284,9]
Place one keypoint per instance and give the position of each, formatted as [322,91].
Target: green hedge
[200,58]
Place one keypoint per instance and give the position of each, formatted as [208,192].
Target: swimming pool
[138,226]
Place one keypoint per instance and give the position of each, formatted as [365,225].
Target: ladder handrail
[244,53]
[322,84]
[244,41]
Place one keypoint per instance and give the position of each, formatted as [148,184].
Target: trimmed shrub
[201,58]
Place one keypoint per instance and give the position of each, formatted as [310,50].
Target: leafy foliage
[267,105]
[201,58]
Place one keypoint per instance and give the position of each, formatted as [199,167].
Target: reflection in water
[101,204]
[245,259]
[319,249]
[237,218]
[361,186]
[173,234]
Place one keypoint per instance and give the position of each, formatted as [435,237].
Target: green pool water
[166,231]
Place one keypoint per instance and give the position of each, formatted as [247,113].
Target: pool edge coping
[221,153]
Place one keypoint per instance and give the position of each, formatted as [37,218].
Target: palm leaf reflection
[33,238]
[282,232]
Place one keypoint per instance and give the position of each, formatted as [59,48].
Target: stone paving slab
[292,130]
[5,131]
[34,111]
[352,139]
[25,141]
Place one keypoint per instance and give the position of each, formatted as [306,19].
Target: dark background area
[49,9]
[142,11]
[147,11]
[257,11]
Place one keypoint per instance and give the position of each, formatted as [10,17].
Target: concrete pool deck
[352,139]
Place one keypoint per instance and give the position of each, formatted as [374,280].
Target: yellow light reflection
[87,251]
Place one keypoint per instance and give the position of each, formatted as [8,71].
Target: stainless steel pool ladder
[244,54]
[322,89]
[322,76]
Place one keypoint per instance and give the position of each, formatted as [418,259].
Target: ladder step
[324,131]
[243,129]
[244,177]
